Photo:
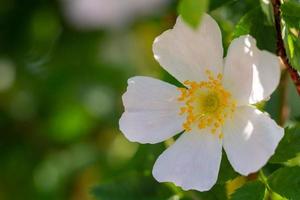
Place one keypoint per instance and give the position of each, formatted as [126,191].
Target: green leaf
[288,147]
[192,10]
[291,13]
[254,190]
[217,192]
[214,4]
[226,171]
[135,181]
[255,24]
[286,182]
[267,9]
[132,186]
[292,44]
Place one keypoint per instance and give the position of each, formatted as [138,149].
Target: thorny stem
[281,52]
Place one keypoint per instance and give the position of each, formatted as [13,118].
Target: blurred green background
[63,68]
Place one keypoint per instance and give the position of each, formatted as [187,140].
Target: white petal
[192,162]
[249,73]
[186,53]
[250,139]
[151,111]
[266,77]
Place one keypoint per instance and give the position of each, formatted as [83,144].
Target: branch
[281,52]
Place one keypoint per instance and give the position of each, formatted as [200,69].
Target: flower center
[207,104]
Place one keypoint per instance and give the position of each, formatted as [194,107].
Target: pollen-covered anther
[207,104]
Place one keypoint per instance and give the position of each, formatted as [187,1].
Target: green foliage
[254,23]
[290,11]
[59,117]
[292,44]
[133,186]
[267,9]
[291,15]
[68,124]
[135,180]
[288,147]
[218,192]
[254,190]
[286,182]
[192,11]
[214,4]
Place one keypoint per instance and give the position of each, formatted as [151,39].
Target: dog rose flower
[213,109]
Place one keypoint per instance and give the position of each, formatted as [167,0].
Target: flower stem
[281,52]
[263,178]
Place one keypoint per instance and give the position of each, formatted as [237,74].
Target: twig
[281,52]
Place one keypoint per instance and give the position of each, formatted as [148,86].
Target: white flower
[214,109]
[93,14]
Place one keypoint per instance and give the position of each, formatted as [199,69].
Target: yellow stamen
[207,104]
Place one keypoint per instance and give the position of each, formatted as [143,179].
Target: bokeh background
[63,68]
